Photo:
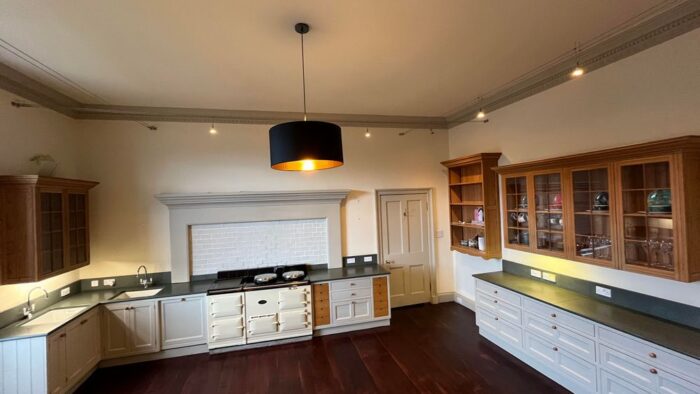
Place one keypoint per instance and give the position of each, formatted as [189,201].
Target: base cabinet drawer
[653,355]
[499,292]
[562,337]
[611,384]
[560,317]
[351,284]
[508,332]
[500,308]
[579,371]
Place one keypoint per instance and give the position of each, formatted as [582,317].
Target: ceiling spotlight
[577,71]
[481,114]
[367,134]
[212,130]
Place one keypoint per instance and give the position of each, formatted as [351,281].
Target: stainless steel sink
[54,317]
[127,295]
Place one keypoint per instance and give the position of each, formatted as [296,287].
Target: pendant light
[305,145]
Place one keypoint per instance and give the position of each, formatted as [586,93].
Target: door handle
[388,262]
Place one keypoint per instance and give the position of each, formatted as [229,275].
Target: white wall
[24,133]
[132,164]
[652,95]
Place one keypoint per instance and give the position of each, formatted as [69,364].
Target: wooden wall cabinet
[635,208]
[44,227]
[474,186]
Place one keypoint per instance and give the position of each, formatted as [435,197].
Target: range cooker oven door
[294,320]
[294,297]
[262,325]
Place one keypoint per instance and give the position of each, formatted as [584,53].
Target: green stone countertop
[91,299]
[330,274]
[682,339]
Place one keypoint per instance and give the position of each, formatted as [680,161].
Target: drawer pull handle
[652,355]
[83,322]
[554,327]
[654,371]
[556,349]
[352,284]
[553,315]
[183,299]
[495,318]
[495,301]
[353,294]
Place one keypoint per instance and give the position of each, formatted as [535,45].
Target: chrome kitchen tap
[147,280]
[30,307]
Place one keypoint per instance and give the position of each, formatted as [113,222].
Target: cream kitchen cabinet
[73,351]
[351,311]
[183,322]
[130,328]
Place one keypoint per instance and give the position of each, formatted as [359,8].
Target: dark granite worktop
[91,299]
[329,274]
[682,339]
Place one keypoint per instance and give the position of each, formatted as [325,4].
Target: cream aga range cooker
[257,305]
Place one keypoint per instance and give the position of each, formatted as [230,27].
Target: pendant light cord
[303,74]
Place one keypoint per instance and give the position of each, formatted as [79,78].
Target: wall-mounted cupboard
[635,208]
[44,227]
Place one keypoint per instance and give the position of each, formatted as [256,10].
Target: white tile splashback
[228,246]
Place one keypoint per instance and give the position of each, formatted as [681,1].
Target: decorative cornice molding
[675,21]
[195,200]
[678,18]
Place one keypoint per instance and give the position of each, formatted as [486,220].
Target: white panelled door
[405,246]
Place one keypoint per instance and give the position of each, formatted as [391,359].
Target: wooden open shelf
[473,185]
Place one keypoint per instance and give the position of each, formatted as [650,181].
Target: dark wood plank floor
[428,348]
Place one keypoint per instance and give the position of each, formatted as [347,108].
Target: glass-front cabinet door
[51,223]
[77,229]
[516,212]
[549,213]
[647,216]
[592,215]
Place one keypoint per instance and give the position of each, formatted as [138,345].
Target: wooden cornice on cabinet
[679,144]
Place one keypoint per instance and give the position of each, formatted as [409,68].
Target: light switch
[603,291]
[65,292]
[108,282]
[536,273]
[350,260]
[367,259]
[94,283]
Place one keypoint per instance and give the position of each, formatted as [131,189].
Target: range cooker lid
[291,275]
[264,278]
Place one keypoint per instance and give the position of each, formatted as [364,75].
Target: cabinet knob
[62,335]
[556,349]
[554,327]
[653,371]
[83,322]
[495,318]
[553,315]
[353,294]
[495,301]
[652,355]
[352,284]
[183,299]
[495,292]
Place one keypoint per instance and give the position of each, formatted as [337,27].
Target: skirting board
[443,297]
[168,353]
[259,345]
[465,301]
[352,327]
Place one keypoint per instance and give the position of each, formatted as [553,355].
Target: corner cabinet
[633,208]
[474,212]
[44,227]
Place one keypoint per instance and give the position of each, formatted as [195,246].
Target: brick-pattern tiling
[229,246]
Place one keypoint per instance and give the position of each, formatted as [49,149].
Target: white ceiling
[390,57]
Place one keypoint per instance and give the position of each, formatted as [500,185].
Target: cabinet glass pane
[517,218]
[647,215]
[51,253]
[548,209]
[592,214]
[77,229]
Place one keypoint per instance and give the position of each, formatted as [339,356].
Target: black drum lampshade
[305,146]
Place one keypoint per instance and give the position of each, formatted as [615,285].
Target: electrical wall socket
[108,282]
[350,260]
[94,283]
[603,291]
[367,259]
[536,273]
[65,292]
[549,276]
